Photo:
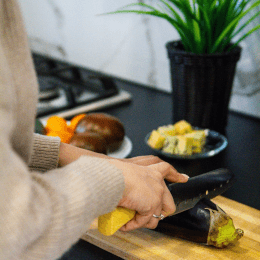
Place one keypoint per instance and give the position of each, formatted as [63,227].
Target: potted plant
[203,61]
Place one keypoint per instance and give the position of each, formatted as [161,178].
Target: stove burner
[64,86]
[48,89]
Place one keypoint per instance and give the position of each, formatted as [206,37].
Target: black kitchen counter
[151,108]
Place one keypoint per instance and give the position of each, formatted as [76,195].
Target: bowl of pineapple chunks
[184,141]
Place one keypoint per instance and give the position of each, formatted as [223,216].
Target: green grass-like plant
[204,26]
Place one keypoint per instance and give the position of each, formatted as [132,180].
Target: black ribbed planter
[202,85]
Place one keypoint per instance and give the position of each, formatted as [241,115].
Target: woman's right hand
[146,193]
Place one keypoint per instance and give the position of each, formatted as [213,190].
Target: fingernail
[185,175]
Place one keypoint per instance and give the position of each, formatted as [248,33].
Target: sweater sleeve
[43,215]
[72,197]
[45,153]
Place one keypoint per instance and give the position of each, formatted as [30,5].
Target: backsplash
[127,46]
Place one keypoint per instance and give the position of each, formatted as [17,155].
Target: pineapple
[156,140]
[182,127]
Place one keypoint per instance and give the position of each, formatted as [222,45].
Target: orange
[75,120]
[56,124]
[65,136]
[52,133]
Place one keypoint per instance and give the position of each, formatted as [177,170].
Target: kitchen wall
[128,46]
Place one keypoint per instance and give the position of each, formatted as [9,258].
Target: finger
[169,172]
[155,218]
[162,167]
[168,205]
[146,160]
[177,177]
[137,222]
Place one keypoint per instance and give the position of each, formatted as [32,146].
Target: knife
[207,185]
[185,195]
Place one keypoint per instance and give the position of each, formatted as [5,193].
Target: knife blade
[207,185]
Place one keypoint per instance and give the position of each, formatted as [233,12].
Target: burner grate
[64,86]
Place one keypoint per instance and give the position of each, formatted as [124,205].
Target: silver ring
[161,217]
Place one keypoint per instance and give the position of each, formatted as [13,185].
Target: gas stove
[66,89]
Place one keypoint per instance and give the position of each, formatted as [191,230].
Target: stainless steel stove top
[67,90]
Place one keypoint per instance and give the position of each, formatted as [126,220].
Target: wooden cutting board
[147,244]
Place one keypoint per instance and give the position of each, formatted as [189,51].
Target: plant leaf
[246,24]
[174,13]
[204,26]
[231,26]
[244,36]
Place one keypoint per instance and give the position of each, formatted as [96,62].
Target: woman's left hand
[149,160]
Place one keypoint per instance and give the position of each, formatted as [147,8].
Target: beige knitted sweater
[43,209]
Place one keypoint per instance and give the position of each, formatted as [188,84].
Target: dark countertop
[151,108]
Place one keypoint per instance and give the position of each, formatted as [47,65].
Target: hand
[148,160]
[70,153]
[146,193]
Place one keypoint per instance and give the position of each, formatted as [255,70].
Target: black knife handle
[207,185]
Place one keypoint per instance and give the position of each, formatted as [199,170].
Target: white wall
[128,46]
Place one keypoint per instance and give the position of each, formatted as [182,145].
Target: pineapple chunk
[170,145]
[109,223]
[156,140]
[199,140]
[179,138]
[167,130]
[184,146]
[182,127]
